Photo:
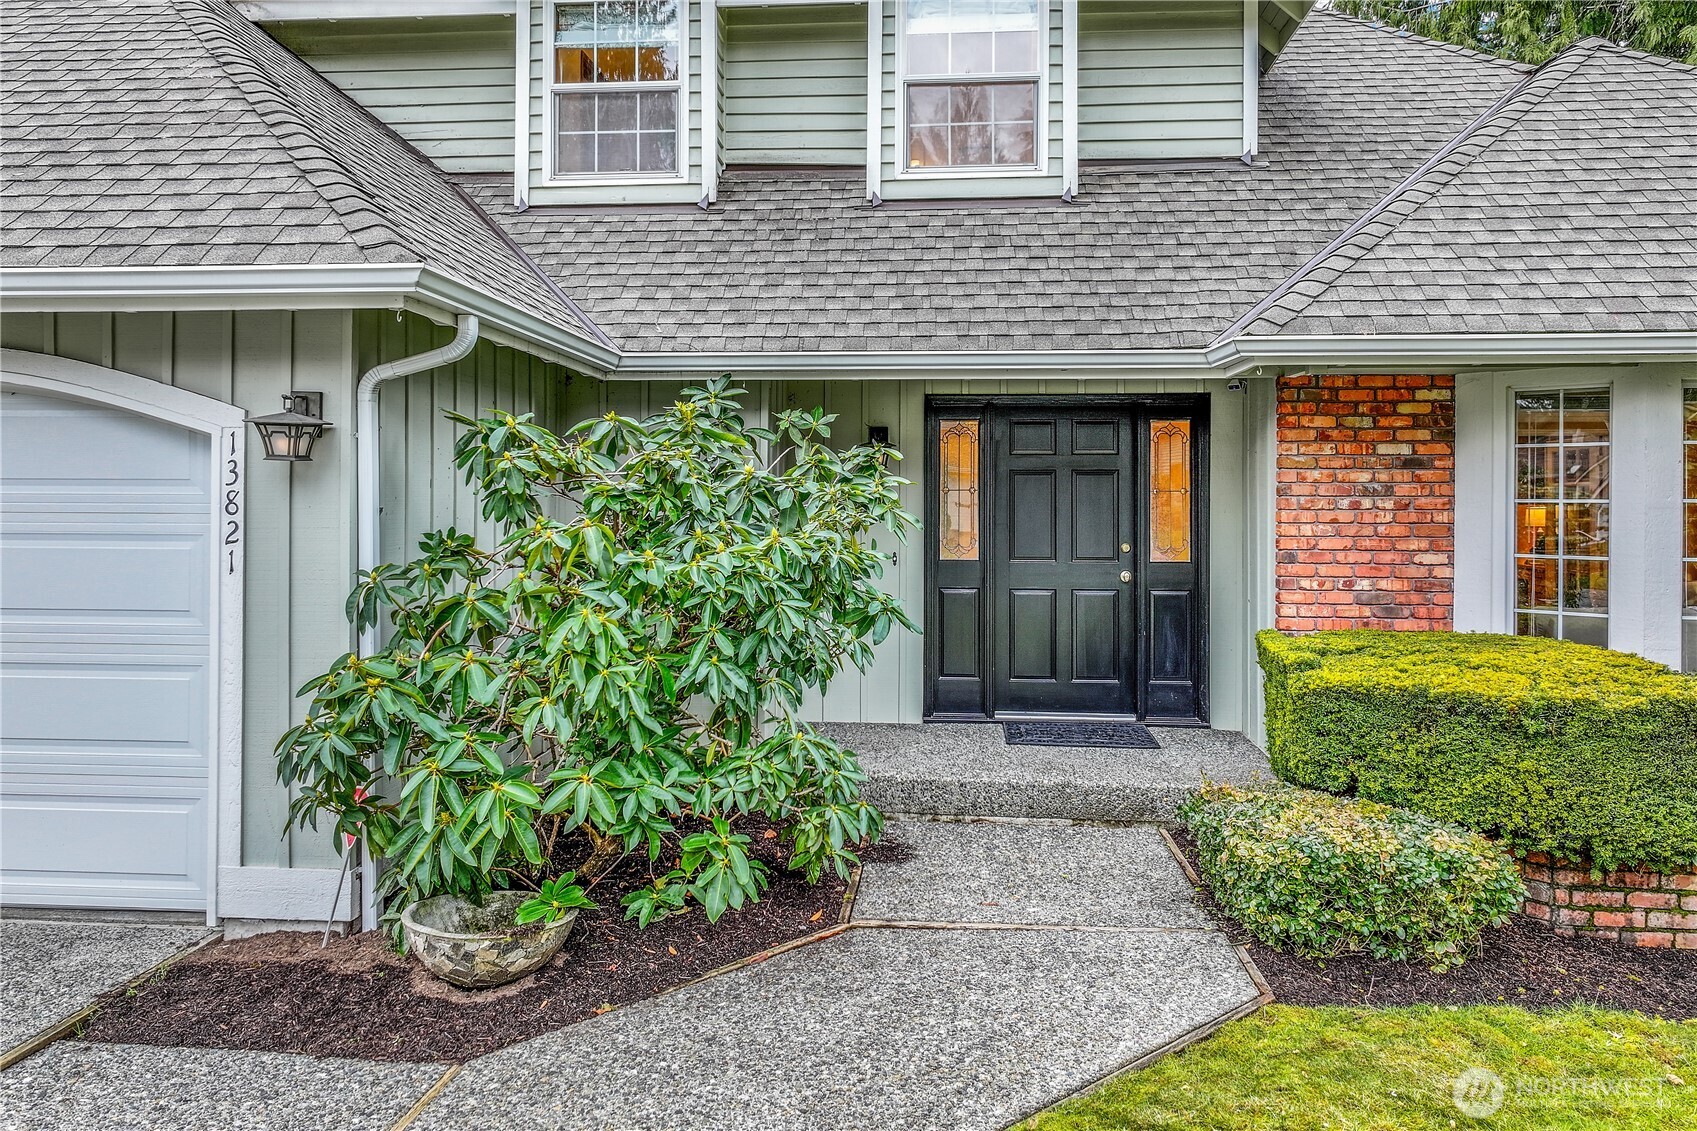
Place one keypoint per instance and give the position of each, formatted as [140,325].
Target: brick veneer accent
[1656,909]
[1366,502]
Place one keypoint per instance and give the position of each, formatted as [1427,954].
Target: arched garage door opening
[112,698]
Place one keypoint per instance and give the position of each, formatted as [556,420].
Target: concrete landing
[967,770]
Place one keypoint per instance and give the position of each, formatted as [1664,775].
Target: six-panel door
[1062,540]
[1066,549]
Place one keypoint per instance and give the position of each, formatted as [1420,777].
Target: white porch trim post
[1645,529]
[521,102]
[1069,98]
[875,99]
[709,101]
[1251,79]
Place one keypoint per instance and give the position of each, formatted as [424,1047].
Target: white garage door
[106,625]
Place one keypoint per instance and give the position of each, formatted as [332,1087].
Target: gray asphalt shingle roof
[1150,257]
[178,134]
[1403,186]
[1571,206]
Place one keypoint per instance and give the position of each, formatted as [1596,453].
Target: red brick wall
[1657,909]
[1366,502]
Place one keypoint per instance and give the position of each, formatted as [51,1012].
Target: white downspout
[366,551]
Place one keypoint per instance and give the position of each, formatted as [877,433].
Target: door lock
[1125,575]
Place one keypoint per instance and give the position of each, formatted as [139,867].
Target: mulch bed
[357,997]
[1524,963]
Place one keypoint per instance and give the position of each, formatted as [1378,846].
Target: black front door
[1065,572]
[1060,570]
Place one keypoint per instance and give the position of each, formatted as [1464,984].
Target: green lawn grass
[1395,1070]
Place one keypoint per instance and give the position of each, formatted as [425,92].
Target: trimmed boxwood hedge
[1322,875]
[1581,752]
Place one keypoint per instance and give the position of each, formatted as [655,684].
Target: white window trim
[554,179]
[1045,118]
[1644,529]
[1561,555]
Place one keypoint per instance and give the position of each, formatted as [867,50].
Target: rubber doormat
[1128,736]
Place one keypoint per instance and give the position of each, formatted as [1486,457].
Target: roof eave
[1453,351]
[291,287]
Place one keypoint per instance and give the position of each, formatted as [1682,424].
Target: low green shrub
[1584,753]
[1321,876]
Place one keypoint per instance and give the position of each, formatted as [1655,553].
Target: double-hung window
[617,88]
[971,84]
[1561,515]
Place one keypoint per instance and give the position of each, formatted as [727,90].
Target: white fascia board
[907,365]
[347,287]
[594,356]
[261,11]
[1453,350]
[206,288]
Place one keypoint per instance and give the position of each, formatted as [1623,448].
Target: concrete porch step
[967,770]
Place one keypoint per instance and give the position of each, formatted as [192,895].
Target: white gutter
[1224,360]
[292,287]
[366,511]
[390,287]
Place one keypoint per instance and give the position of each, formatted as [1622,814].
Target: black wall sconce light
[290,434]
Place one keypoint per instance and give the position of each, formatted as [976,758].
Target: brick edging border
[1640,908]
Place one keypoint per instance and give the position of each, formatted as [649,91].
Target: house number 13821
[232,506]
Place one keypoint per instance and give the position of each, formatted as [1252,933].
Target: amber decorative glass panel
[1169,490]
[957,484]
[1561,514]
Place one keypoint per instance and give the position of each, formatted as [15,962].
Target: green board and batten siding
[1160,80]
[300,519]
[444,84]
[793,85]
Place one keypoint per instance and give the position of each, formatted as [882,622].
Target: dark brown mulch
[357,997]
[1524,963]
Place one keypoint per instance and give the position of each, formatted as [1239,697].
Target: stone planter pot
[477,948]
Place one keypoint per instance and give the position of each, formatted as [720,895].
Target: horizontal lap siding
[793,83]
[1160,80]
[448,91]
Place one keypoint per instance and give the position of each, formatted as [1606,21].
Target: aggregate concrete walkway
[967,769]
[1053,955]
[78,1084]
[51,967]
[992,968]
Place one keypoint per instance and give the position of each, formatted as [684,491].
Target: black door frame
[1140,407]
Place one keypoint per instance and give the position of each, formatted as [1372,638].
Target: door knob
[1125,575]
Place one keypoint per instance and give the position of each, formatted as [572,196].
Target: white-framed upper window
[971,84]
[616,89]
